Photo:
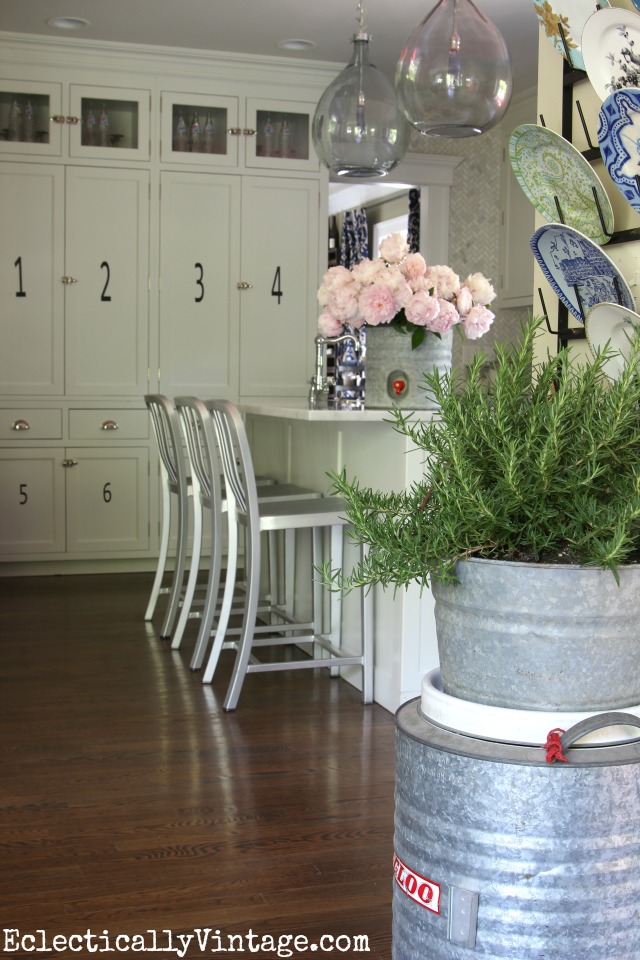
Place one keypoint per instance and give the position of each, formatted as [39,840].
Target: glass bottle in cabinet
[31,120]
[106,120]
[197,129]
[283,136]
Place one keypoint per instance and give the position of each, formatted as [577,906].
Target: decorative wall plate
[609,323]
[571,16]
[619,139]
[570,260]
[611,50]
[549,168]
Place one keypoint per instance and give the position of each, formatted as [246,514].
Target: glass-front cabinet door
[31,120]
[200,129]
[281,137]
[109,123]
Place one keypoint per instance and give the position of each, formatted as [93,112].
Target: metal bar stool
[246,511]
[208,493]
[175,489]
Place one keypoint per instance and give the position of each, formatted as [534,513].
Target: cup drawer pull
[20,425]
[109,425]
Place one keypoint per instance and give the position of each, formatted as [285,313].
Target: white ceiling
[256,26]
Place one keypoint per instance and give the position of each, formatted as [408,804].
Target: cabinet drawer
[18,423]
[108,424]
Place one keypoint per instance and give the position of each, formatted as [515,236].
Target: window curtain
[413,230]
[354,240]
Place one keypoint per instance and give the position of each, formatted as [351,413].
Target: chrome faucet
[319,383]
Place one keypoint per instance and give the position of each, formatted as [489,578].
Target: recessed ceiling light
[296,44]
[68,23]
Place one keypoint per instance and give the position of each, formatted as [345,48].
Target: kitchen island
[298,445]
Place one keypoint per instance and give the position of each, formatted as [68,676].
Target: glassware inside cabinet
[109,123]
[198,129]
[282,135]
[24,117]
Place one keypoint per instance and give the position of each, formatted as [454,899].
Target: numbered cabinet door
[278,307]
[200,266]
[31,118]
[201,130]
[279,136]
[31,268]
[109,123]
[107,500]
[107,281]
[32,502]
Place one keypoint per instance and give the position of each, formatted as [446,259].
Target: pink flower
[334,279]
[423,309]
[481,289]
[344,303]
[394,248]
[464,301]
[443,280]
[328,325]
[377,304]
[447,317]
[413,267]
[368,271]
[477,322]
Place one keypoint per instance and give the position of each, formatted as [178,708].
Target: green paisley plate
[568,16]
[558,180]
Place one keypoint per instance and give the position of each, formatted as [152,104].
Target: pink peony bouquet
[399,289]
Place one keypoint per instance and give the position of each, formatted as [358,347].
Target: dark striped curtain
[354,241]
[413,231]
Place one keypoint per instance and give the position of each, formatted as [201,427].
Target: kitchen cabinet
[240,132]
[74,253]
[76,120]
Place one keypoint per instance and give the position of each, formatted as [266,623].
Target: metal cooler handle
[591,724]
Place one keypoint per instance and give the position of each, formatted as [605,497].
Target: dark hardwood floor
[131,802]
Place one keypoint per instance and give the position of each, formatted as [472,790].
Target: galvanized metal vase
[390,361]
[540,636]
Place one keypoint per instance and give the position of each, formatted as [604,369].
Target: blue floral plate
[619,139]
[578,270]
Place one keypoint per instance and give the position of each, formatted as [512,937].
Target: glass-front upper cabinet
[200,129]
[280,136]
[109,123]
[31,120]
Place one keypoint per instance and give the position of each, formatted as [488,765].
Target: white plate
[611,50]
[609,323]
[569,258]
[572,15]
[549,168]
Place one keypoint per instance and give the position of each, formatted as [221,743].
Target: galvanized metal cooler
[501,854]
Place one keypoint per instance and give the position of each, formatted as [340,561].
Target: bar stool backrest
[167,431]
[202,448]
[234,449]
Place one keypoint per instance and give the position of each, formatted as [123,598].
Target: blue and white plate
[611,50]
[613,325]
[559,181]
[619,139]
[578,270]
[571,16]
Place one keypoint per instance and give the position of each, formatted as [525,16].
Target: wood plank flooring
[132,803]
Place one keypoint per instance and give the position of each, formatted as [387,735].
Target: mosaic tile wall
[474,237]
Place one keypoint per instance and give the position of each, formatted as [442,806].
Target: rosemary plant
[542,466]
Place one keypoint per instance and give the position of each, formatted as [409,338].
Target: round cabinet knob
[243,285]
[68,280]
[20,425]
[248,132]
[235,131]
[73,120]
[58,118]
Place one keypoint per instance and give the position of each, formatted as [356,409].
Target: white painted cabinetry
[135,260]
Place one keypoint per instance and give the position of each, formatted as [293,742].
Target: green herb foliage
[541,468]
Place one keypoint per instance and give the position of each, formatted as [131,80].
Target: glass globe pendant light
[358,130]
[454,75]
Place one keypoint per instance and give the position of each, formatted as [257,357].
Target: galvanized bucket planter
[389,359]
[500,855]
[540,636]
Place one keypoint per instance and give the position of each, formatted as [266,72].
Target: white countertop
[299,410]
